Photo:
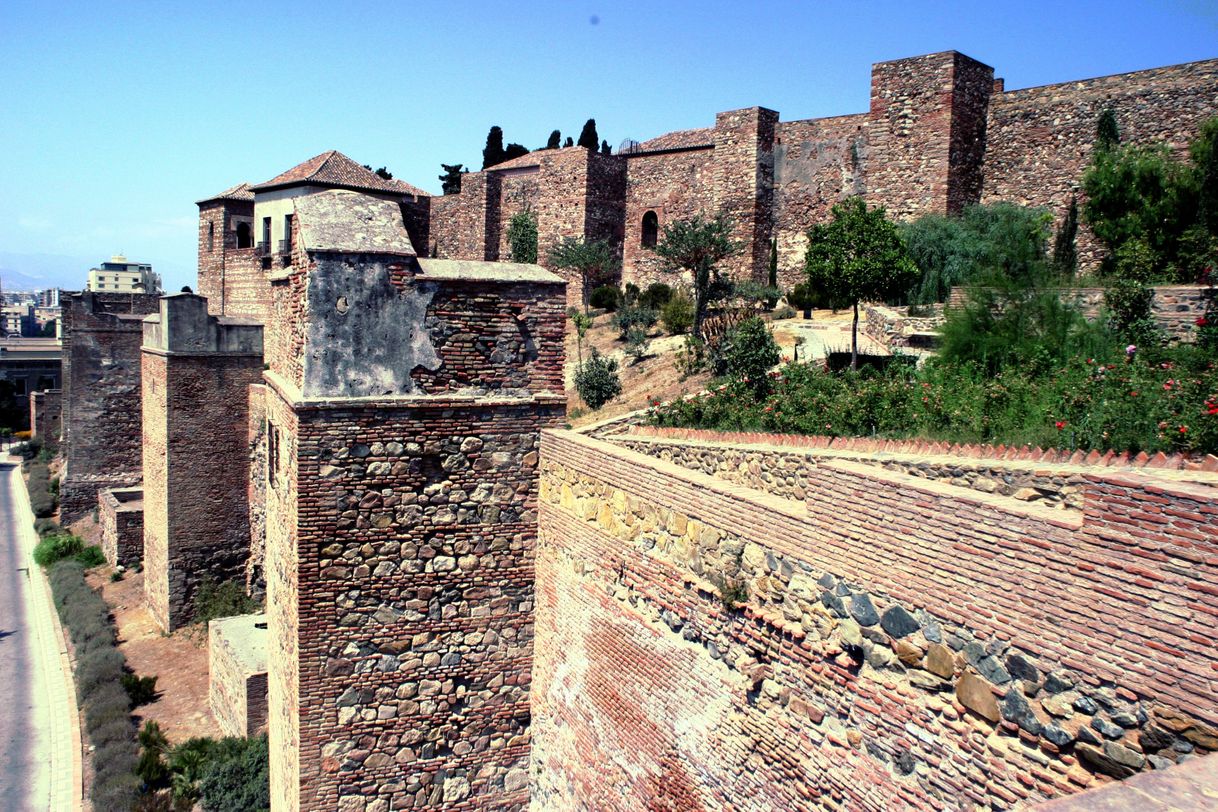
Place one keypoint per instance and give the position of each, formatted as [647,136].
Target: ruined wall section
[101,395]
[46,416]
[817,163]
[1040,140]
[675,185]
[702,645]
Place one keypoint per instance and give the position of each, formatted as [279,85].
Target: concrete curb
[64,734]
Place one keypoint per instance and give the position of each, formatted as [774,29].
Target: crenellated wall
[885,642]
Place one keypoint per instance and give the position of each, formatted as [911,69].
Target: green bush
[39,485]
[56,548]
[216,600]
[678,314]
[606,297]
[636,343]
[522,236]
[632,317]
[237,776]
[750,353]
[140,690]
[45,527]
[597,380]
[784,312]
[656,296]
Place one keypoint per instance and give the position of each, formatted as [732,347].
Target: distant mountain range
[40,271]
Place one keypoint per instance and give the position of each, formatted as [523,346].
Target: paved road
[27,724]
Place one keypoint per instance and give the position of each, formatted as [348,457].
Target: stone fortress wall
[859,637]
[940,133]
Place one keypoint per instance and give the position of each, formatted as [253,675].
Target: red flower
[1184,429]
[1202,321]
[1061,424]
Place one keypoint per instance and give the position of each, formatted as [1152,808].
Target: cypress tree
[1107,133]
[1065,255]
[493,152]
[451,179]
[605,148]
[554,140]
[587,136]
[569,142]
[514,151]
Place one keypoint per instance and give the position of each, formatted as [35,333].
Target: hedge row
[99,672]
[39,485]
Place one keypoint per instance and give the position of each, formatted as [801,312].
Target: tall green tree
[569,142]
[554,140]
[493,152]
[858,256]
[1065,253]
[451,179]
[605,148]
[698,245]
[587,136]
[1107,133]
[593,261]
[514,151]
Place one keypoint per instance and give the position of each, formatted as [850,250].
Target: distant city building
[49,297]
[19,320]
[120,276]
[31,364]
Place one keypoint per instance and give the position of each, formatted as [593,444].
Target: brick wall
[1039,140]
[888,642]
[674,184]
[121,515]
[46,415]
[101,395]
[196,453]
[232,279]
[237,688]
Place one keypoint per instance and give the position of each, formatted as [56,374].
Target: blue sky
[118,116]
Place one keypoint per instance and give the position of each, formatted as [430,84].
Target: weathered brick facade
[403,404]
[46,416]
[197,372]
[121,516]
[102,333]
[884,642]
[940,134]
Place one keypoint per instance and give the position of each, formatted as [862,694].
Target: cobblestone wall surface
[701,645]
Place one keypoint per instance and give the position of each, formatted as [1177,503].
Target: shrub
[237,777]
[45,527]
[606,297]
[750,354]
[56,548]
[216,600]
[633,317]
[630,293]
[140,690]
[755,293]
[39,485]
[152,768]
[691,358]
[784,312]
[636,343]
[806,298]
[678,313]
[522,236]
[91,556]
[656,296]
[597,380]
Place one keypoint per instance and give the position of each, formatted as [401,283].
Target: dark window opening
[651,229]
[285,245]
[211,236]
[266,233]
[272,452]
[245,237]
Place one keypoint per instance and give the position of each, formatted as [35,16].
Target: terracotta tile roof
[335,169]
[704,137]
[406,188]
[239,192]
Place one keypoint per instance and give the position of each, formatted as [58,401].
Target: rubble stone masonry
[102,333]
[886,642]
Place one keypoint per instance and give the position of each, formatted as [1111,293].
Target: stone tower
[197,370]
[404,401]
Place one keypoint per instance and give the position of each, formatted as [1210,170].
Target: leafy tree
[514,151]
[858,256]
[48,329]
[553,141]
[451,179]
[593,261]
[1065,254]
[1107,133]
[1140,193]
[522,236]
[587,136]
[698,245]
[951,251]
[597,380]
[493,153]
[750,354]
[605,148]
